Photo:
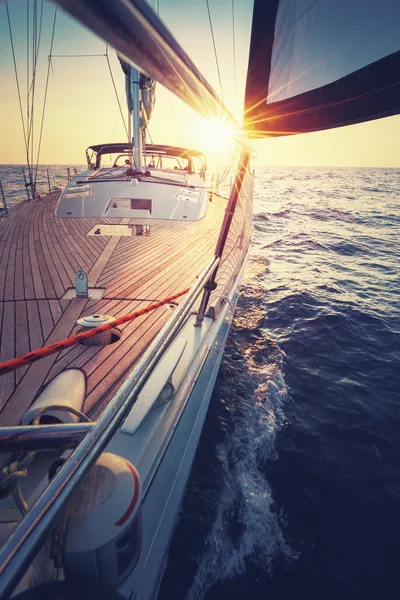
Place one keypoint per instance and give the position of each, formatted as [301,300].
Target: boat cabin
[157,156]
[172,186]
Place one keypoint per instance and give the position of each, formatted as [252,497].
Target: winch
[103,532]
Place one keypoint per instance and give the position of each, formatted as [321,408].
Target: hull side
[164,496]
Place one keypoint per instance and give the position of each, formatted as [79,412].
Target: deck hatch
[131,203]
[129,230]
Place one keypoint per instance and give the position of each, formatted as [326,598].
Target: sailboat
[100,423]
[125,288]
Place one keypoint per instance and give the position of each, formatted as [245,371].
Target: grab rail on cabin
[19,550]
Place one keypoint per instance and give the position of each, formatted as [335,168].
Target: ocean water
[295,489]
[48,177]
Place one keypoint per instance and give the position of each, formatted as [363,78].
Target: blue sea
[48,177]
[295,489]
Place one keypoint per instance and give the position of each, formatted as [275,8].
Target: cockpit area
[156,156]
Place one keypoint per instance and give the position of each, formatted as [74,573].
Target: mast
[137,131]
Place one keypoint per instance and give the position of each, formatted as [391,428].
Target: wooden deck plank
[97,269]
[137,254]
[29,289]
[84,247]
[7,349]
[138,286]
[138,260]
[19,271]
[60,260]
[77,357]
[93,244]
[9,266]
[22,345]
[48,288]
[51,259]
[35,267]
[134,272]
[30,384]
[98,386]
[34,325]
[45,318]
[77,232]
[71,248]
[113,354]
[162,237]
[56,310]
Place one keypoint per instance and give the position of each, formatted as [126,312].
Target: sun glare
[214,135]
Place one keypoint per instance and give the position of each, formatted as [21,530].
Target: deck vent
[105,337]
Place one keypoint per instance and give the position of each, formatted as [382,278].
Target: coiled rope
[12,475]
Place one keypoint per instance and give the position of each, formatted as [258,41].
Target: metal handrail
[27,438]
[19,550]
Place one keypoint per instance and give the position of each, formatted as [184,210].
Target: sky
[82,109]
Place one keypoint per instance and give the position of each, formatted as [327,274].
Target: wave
[248,528]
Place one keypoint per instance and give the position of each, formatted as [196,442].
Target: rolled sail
[147,85]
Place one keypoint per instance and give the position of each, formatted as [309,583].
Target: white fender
[67,389]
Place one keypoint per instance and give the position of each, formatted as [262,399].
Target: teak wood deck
[40,254]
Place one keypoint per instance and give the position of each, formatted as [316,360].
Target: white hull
[163,494]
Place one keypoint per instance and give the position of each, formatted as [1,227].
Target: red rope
[16,363]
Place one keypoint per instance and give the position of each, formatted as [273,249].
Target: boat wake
[247,528]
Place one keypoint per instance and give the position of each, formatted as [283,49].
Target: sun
[213,135]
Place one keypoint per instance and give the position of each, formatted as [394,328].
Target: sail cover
[319,64]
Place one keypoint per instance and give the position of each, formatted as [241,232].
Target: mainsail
[320,64]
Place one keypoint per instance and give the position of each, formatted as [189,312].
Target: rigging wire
[113,127]
[116,95]
[228,168]
[45,96]
[17,79]
[215,50]
[234,49]
[38,46]
[27,79]
[115,119]
[151,139]
[29,100]
[35,52]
